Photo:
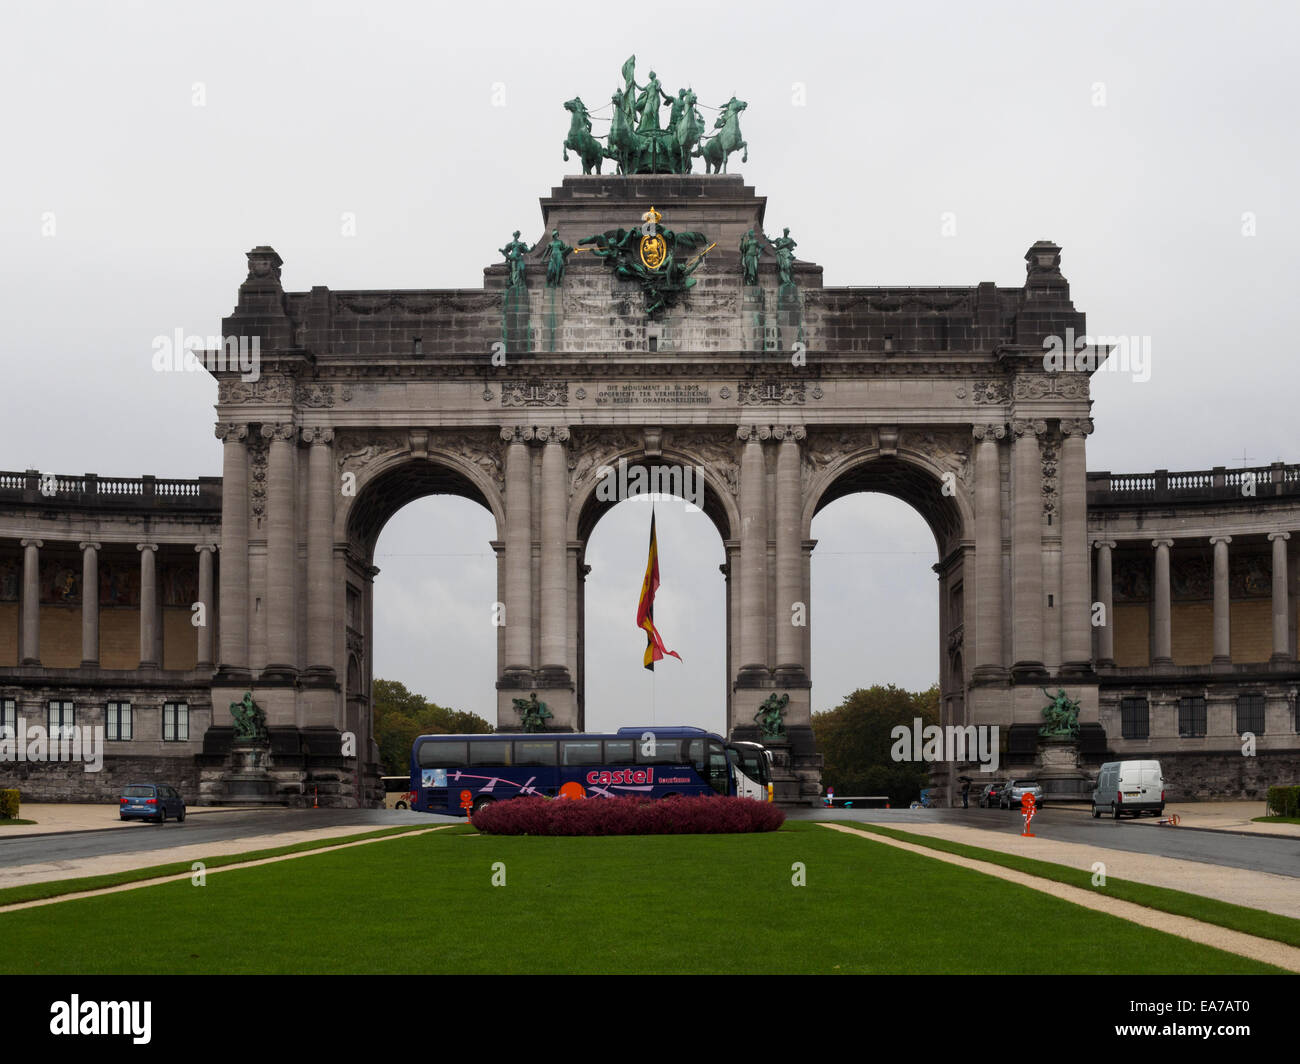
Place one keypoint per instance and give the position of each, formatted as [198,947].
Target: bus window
[443,755]
[489,753]
[619,752]
[666,752]
[580,752]
[695,754]
[537,752]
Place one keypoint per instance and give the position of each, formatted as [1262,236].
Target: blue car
[151,801]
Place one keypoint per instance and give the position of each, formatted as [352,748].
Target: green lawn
[1275,820]
[668,904]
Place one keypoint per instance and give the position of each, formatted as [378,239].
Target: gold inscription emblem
[654,249]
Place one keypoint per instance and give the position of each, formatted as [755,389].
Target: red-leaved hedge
[703,815]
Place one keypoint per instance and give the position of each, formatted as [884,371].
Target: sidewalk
[1234,817]
[59,817]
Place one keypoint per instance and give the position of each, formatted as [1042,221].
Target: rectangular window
[580,752]
[1191,717]
[1250,714]
[8,717]
[666,752]
[60,717]
[176,722]
[117,722]
[1135,718]
[537,753]
[619,752]
[452,754]
[494,753]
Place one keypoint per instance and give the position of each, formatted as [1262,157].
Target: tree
[854,739]
[401,715]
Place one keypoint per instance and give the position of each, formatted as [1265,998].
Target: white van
[1133,787]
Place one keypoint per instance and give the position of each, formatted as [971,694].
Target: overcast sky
[152,144]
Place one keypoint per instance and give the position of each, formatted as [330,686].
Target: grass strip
[1275,820]
[1208,910]
[8,823]
[55,887]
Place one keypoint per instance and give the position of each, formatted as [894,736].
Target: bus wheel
[479,803]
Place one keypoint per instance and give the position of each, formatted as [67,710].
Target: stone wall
[69,782]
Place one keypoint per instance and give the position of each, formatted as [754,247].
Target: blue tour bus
[455,774]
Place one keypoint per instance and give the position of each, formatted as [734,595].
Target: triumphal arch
[650,318]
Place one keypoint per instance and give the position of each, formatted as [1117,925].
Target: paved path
[1260,949]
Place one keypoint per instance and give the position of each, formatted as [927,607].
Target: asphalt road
[1259,853]
[201,828]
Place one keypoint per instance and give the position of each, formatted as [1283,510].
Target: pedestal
[1059,773]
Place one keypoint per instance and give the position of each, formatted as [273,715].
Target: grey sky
[988,111]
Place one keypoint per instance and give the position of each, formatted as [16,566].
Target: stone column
[89,604]
[519,549]
[1076,609]
[1222,607]
[1106,596]
[148,605]
[1162,641]
[31,648]
[554,573]
[281,555]
[205,552]
[1281,624]
[989,665]
[1027,548]
[753,556]
[234,552]
[790,666]
[320,553]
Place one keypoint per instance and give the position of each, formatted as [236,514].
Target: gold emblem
[654,249]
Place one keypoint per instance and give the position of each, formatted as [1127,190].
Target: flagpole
[654,704]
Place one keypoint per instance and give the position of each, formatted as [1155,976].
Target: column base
[1078,670]
[280,673]
[553,676]
[320,676]
[1220,664]
[516,676]
[989,676]
[791,676]
[88,664]
[1029,672]
[753,676]
[1280,659]
[233,675]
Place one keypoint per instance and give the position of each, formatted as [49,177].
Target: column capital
[517,433]
[146,546]
[316,434]
[1214,540]
[231,431]
[1162,543]
[206,546]
[792,433]
[754,433]
[1023,427]
[87,545]
[990,433]
[1080,426]
[551,433]
[1279,535]
[1109,544]
[279,430]
[32,542]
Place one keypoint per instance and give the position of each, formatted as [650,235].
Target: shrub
[1284,801]
[704,815]
[8,805]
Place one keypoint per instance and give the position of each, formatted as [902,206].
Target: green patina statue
[514,253]
[750,250]
[639,144]
[533,714]
[250,721]
[651,256]
[771,716]
[1062,716]
[556,252]
[784,248]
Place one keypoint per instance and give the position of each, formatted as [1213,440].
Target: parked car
[989,795]
[1133,787]
[1010,795]
[151,801]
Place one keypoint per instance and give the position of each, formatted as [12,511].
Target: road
[1279,855]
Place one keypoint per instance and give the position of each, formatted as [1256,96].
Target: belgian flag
[645,611]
